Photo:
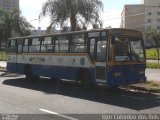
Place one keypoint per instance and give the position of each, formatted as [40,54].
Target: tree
[154,35]
[80,13]
[12,24]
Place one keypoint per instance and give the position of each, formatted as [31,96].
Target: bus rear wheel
[29,76]
[85,80]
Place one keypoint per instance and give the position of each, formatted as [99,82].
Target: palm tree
[77,12]
[12,24]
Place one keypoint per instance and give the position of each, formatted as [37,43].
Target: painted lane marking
[54,113]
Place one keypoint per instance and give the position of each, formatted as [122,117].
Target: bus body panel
[56,66]
[126,74]
[60,72]
[68,65]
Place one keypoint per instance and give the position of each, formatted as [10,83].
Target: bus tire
[85,79]
[28,73]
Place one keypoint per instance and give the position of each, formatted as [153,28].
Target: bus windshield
[129,49]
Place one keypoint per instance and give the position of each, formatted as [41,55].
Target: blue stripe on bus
[130,73]
[62,72]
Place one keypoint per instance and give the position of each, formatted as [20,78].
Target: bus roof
[74,32]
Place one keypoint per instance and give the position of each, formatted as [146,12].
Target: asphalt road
[48,100]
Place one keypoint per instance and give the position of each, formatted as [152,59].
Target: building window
[158,20]
[158,12]
[158,27]
[149,20]
[149,13]
[149,27]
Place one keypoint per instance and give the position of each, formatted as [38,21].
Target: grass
[153,65]
[151,54]
[150,86]
[3,56]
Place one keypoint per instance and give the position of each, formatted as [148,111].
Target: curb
[138,88]
[144,89]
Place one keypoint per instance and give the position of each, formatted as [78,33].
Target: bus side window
[35,46]
[12,46]
[57,44]
[78,44]
[101,51]
[64,44]
[25,46]
[110,52]
[92,48]
[20,45]
[47,46]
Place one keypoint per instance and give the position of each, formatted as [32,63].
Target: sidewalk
[3,64]
[152,61]
[153,74]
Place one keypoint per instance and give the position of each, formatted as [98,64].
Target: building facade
[143,16]
[9,4]
[133,17]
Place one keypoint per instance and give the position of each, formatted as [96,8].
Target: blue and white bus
[113,57]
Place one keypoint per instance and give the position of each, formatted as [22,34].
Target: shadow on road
[121,98]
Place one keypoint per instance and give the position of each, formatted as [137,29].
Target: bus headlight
[117,74]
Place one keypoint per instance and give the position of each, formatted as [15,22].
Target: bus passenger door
[101,61]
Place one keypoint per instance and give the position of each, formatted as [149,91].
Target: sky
[111,14]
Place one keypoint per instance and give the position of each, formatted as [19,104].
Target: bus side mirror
[113,39]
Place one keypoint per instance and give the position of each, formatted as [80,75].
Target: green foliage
[154,35]
[78,12]
[3,56]
[152,54]
[12,24]
[153,65]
